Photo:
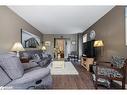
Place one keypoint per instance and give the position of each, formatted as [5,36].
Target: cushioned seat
[32,68]
[30,76]
[109,72]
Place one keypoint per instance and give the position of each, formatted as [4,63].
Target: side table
[24,60]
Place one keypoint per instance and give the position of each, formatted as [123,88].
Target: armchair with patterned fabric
[73,56]
[109,71]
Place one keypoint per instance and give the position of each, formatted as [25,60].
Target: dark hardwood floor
[81,81]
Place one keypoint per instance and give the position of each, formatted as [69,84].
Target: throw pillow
[44,55]
[36,57]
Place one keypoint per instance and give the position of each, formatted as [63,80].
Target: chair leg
[123,84]
[96,83]
[111,83]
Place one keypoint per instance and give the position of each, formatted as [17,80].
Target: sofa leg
[111,83]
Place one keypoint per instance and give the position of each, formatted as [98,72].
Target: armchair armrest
[103,64]
[107,64]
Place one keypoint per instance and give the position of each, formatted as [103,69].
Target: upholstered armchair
[73,56]
[109,71]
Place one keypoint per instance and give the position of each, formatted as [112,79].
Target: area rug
[68,69]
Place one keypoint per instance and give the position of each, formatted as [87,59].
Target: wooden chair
[110,72]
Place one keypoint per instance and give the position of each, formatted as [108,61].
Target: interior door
[59,46]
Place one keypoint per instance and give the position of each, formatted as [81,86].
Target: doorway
[59,44]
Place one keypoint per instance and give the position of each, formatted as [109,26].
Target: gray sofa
[38,56]
[15,75]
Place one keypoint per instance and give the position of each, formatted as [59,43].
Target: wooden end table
[24,60]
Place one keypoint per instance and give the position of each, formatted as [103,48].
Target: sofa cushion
[31,69]
[30,76]
[30,65]
[4,79]
[44,62]
[36,57]
[30,53]
[44,55]
[11,65]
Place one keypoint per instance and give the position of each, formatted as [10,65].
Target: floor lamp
[99,44]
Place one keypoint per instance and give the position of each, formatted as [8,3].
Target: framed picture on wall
[85,38]
[47,43]
[29,40]
[73,42]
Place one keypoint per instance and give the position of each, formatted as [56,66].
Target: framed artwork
[29,40]
[73,42]
[47,43]
[85,38]
[92,35]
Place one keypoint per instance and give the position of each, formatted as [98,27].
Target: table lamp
[17,47]
[43,48]
[99,44]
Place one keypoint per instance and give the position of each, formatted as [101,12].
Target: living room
[64,49]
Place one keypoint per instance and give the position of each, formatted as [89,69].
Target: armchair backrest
[118,61]
[73,53]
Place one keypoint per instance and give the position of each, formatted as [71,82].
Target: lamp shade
[98,43]
[17,47]
[43,48]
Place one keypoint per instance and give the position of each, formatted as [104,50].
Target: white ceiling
[61,19]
